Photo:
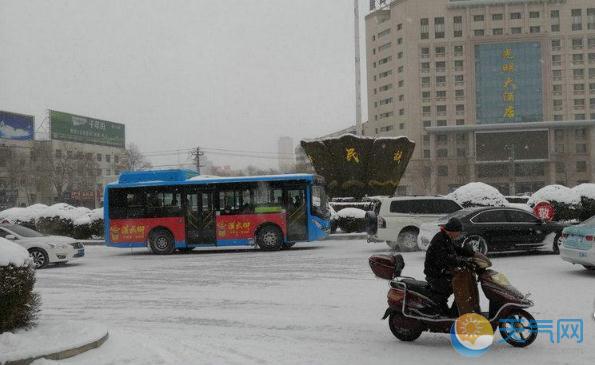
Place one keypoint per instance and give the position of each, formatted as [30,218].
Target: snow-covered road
[315,304]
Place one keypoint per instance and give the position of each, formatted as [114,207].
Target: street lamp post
[358,92]
[511,157]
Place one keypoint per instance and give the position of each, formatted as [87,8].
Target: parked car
[493,229]
[43,249]
[399,218]
[577,244]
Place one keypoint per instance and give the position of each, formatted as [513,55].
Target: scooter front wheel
[405,329]
[518,328]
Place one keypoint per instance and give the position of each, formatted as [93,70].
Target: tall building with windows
[499,91]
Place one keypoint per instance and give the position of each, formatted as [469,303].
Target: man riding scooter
[443,260]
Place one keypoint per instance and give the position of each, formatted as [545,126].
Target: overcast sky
[231,75]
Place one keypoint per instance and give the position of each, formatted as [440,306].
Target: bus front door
[297,223]
[200,218]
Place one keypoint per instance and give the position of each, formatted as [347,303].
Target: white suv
[399,218]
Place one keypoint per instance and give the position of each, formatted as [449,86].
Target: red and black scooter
[411,311]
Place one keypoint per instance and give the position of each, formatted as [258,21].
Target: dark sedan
[494,229]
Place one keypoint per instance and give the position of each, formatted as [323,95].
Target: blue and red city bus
[167,210]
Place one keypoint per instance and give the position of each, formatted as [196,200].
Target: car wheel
[478,244]
[40,257]
[588,267]
[556,244]
[269,238]
[161,242]
[407,241]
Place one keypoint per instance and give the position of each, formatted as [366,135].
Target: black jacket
[442,256]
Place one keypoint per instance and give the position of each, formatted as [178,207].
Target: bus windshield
[320,202]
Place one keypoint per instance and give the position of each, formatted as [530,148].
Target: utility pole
[196,155]
[358,76]
[511,150]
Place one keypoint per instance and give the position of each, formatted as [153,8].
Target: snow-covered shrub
[566,202]
[477,194]
[23,216]
[58,219]
[90,225]
[19,305]
[587,194]
[351,220]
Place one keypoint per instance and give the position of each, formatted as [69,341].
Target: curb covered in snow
[62,354]
[94,341]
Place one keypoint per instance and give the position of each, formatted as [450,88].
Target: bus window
[267,200]
[163,203]
[117,204]
[135,203]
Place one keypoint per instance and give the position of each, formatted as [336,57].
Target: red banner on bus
[243,226]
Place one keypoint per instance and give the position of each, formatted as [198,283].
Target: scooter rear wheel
[403,328]
[518,328]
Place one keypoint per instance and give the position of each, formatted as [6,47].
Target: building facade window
[439,27]
[424,28]
[591,19]
[458,26]
[577,19]
[581,166]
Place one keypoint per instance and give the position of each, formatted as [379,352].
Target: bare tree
[133,159]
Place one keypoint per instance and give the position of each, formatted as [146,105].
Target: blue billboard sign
[16,126]
[509,87]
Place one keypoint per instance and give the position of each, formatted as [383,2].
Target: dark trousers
[441,291]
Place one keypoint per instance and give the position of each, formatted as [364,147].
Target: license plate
[81,253]
[582,254]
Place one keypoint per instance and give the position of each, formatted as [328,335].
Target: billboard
[508,82]
[76,128]
[16,126]
[517,145]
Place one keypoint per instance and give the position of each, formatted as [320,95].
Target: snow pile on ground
[555,193]
[352,213]
[48,337]
[13,254]
[585,190]
[478,194]
[93,216]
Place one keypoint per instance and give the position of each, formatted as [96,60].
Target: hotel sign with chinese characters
[509,87]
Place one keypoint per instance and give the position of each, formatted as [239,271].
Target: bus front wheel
[269,238]
[161,242]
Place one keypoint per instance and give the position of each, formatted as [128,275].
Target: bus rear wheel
[161,242]
[269,238]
